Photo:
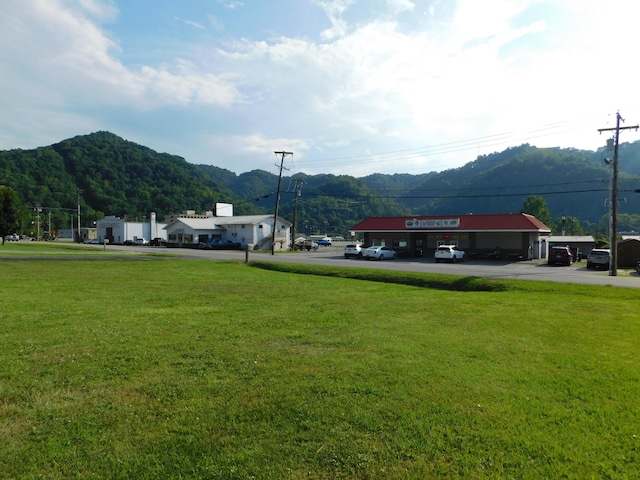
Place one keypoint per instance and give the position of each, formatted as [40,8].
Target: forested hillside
[108,176]
[111,176]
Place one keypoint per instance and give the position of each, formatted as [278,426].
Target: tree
[567,225]
[10,211]
[537,206]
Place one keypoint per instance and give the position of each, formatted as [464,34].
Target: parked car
[353,250]
[377,252]
[158,242]
[309,245]
[141,241]
[599,258]
[12,237]
[220,244]
[403,251]
[449,253]
[560,256]
[325,242]
[92,241]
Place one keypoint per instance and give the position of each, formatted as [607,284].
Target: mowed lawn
[201,369]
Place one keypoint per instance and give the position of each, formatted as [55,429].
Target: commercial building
[515,236]
[256,230]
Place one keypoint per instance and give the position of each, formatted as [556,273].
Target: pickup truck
[304,244]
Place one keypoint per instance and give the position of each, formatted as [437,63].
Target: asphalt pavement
[525,270]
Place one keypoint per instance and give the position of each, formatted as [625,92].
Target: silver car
[599,258]
[377,252]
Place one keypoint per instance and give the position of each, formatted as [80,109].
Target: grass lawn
[203,369]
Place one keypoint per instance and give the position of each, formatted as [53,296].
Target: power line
[442,148]
[566,192]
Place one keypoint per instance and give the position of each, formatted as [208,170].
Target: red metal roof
[518,222]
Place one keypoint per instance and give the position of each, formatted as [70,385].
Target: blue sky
[350,86]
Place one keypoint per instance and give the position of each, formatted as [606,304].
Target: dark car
[560,256]
[220,244]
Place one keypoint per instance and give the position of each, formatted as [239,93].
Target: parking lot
[525,270]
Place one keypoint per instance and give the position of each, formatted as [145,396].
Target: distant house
[256,230]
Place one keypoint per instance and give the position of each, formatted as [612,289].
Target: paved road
[531,270]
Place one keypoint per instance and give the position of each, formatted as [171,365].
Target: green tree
[10,211]
[537,206]
[567,224]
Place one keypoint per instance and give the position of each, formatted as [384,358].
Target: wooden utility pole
[275,214]
[295,209]
[613,220]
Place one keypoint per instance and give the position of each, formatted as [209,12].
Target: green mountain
[111,176]
[107,175]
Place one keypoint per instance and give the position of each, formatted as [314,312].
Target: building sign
[433,223]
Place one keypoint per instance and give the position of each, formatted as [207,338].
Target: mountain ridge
[113,176]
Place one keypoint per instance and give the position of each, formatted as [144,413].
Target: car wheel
[359,254]
[453,259]
[394,257]
[381,257]
[346,256]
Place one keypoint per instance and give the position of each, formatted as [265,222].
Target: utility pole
[295,209]
[275,214]
[38,209]
[79,233]
[613,234]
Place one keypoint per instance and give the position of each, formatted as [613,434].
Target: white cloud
[469,80]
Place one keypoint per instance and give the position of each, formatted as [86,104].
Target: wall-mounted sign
[433,223]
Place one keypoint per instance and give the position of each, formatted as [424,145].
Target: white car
[353,250]
[141,241]
[12,237]
[379,253]
[450,253]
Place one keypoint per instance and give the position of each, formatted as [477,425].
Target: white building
[117,230]
[257,230]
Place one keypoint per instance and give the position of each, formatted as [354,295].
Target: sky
[349,87]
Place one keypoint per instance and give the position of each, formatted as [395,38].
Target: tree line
[107,175]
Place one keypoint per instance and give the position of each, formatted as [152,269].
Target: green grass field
[201,369]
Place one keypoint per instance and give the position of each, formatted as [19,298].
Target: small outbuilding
[628,252]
